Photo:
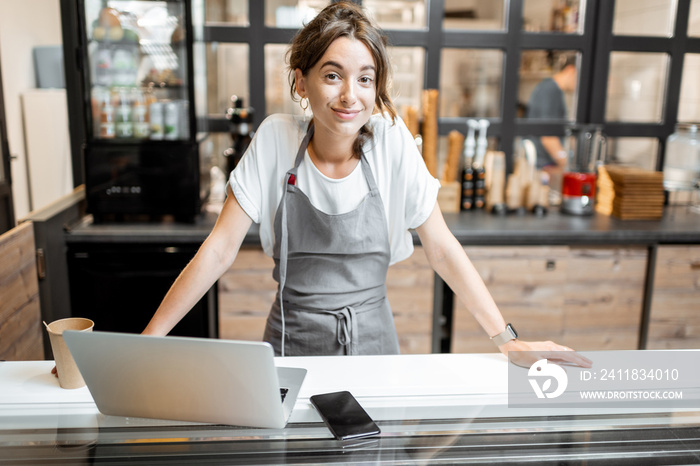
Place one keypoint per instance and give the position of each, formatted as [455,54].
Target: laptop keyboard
[283,393]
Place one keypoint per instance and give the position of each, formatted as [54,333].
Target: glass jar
[682,159]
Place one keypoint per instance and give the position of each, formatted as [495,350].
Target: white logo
[551,371]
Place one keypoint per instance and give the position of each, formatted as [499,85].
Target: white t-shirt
[408,191]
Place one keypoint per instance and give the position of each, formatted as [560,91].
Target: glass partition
[636,86]
[277,85]
[644,18]
[398,14]
[407,75]
[476,15]
[227,74]
[636,152]
[228,12]
[292,13]
[562,16]
[470,82]
[689,104]
[694,19]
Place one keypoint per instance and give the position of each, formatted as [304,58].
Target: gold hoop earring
[301,104]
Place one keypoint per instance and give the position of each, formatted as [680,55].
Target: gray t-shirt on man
[546,102]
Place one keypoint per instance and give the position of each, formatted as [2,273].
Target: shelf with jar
[129,113]
[138,78]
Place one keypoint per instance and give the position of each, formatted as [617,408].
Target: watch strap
[505,336]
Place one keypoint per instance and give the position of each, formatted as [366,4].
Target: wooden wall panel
[246,292]
[20,312]
[604,297]
[526,283]
[410,292]
[585,298]
[675,308]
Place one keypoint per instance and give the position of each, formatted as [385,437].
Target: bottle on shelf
[140,115]
[155,113]
[479,185]
[125,124]
[107,118]
[240,119]
[467,195]
[171,120]
[479,164]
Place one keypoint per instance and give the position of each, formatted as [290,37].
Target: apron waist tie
[346,331]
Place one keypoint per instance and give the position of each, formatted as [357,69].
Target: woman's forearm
[189,287]
[455,268]
[213,258]
[450,261]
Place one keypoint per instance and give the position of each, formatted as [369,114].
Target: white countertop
[431,386]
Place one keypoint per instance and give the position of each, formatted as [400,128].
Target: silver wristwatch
[505,336]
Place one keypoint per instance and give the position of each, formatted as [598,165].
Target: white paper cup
[68,374]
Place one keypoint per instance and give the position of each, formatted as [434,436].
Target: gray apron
[331,270]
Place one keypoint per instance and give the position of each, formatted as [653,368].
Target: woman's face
[341,87]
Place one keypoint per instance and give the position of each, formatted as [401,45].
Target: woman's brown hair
[343,19]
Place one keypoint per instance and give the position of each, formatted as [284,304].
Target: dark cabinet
[119,286]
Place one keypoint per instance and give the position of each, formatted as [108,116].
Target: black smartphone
[344,416]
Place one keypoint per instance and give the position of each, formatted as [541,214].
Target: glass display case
[137,54]
[136,92]
[438,413]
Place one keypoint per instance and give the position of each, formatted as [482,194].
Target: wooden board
[246,293]
[675,306]
[630,193]
[20,312]
[583,297]
[526,282]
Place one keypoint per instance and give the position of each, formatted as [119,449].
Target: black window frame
[595,44]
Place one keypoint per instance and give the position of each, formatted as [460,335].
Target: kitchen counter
[679,225]
[448,408]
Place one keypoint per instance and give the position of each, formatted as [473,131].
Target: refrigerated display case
[131,104]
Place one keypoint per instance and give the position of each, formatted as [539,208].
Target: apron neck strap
[302,149]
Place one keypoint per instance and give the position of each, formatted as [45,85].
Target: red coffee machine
[586,146]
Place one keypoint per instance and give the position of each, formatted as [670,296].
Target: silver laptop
[186,379]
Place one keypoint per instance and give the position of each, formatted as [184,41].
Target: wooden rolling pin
[495,194]
[514,193]
[455,144]
[412,120]
[430,130]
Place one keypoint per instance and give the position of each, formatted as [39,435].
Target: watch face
[512,330]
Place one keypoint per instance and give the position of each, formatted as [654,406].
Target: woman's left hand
[526,353]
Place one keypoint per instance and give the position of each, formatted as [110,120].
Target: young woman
[335,196]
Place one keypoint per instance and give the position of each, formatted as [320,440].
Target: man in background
[547,102]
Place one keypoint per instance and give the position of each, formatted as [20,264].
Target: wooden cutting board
[630,193]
